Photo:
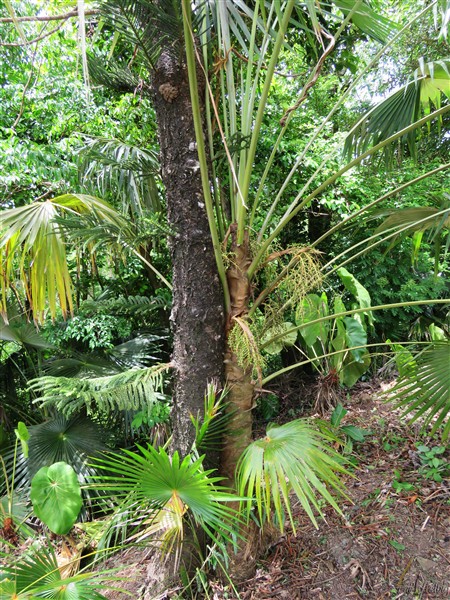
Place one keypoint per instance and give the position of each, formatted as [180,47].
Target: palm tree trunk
[197,315]
[238,379]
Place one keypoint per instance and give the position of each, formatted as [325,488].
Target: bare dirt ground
[392,542]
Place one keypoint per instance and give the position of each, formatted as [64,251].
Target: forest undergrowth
[393,541]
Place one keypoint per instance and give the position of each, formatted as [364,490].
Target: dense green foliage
[86,282]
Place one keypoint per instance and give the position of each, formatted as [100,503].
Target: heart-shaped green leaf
[56,497]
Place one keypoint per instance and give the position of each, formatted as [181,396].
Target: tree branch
[64,17]
[36,39]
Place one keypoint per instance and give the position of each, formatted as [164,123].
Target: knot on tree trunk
[168,91]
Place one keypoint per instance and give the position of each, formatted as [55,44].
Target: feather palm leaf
[147,25]
[294,457]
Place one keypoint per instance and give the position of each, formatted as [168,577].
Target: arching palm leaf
[32,241]
[425,390]
[401,109]
[292,457]
[146,24]
[415,222]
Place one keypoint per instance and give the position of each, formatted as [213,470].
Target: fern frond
[129,306]
[135,389]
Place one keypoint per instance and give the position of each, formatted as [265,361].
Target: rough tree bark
[197,315]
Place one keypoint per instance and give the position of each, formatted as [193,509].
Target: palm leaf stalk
[353,84]
[240,163]
[379,200]
[296,207]
[279,335]
[431,220]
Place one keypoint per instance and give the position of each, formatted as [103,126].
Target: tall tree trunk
[197,314]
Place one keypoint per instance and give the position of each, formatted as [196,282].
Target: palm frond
[73,441]
[146,24]
[60,439]
[402,108]
[294,457]
[135,389]
[417,219]
[415,222]
[115,76]
[157,482]
[37,574]
[122,237]
[24,334]
[424,390]
[80,365]
[32,243]
[124,170]
[374,25]
[211,425]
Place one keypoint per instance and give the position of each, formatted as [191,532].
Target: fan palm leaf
[170,488]
[424,390]
[294,457]
[31,240]
[24,334]
[37,575]
[430,82]
[72,441]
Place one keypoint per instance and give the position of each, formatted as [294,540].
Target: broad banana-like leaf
[33,249]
